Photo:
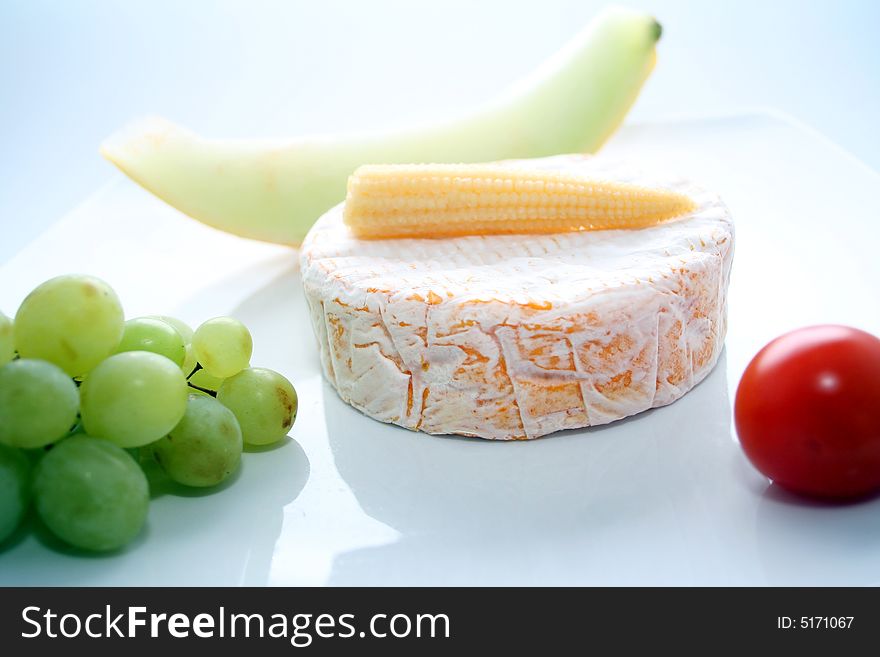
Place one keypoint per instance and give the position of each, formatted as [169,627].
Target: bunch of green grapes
[80,387]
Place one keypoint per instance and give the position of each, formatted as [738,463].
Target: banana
[274,191]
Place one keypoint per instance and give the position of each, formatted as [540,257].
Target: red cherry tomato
[808,411]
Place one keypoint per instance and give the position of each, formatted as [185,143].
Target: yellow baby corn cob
[447,200]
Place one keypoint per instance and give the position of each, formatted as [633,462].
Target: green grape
[38,403]
[15,471]
[73,321]
[204,448]
[223,346]
[155,335]
[133,398]
[91,493]
[7,345]
[189,361]
[179,325]
[264,402]
[204,380]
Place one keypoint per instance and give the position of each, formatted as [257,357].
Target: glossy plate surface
[665,497]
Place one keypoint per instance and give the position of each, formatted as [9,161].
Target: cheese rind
[518,336]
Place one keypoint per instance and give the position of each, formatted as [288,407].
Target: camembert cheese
[518,336]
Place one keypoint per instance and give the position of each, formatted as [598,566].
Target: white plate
[665,497]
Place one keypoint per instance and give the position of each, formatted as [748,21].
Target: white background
[72,72]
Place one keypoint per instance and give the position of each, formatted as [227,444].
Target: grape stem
[207,391]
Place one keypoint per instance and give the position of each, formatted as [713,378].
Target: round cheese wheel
[518,336]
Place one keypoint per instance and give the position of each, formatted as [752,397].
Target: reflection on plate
[495,512]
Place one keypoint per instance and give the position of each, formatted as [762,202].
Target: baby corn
[448,200]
